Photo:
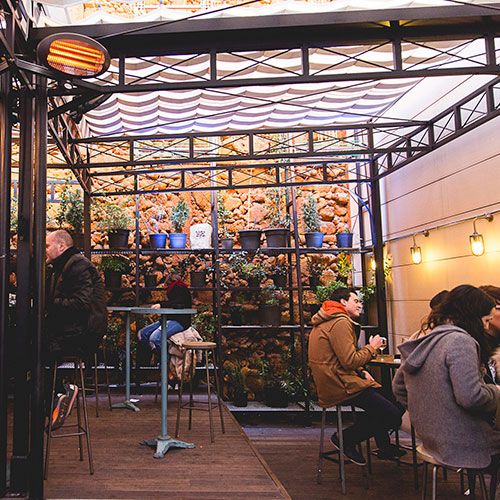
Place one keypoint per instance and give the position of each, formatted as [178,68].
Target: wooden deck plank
[230,468]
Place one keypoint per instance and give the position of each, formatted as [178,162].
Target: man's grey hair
[62,236]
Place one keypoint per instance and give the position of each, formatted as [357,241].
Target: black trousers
[379,417]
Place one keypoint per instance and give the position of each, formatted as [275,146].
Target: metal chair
[472,474]
[190,350]
[95,387]
[327,455]
[82,429]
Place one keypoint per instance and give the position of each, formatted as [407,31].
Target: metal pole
[40,212]
[5,152]
[378,246]
[24,317]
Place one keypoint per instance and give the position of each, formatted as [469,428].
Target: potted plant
[114,266]
[181,267]
[275,393]
[270,309]
[323,292]
[236,380]
[147,271]
[156,239]
[344,238]
[198,277]
[70,213]
[315,269]
[312,223]
[344,268]
[278,234]
[279,274]
[116,221]
[224,216]
[179,215]
[252,273]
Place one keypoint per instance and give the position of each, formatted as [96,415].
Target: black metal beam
[281,31]
[5,153]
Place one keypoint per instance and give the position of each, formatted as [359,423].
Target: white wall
[455,182]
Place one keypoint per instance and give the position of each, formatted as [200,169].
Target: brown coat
[335,360]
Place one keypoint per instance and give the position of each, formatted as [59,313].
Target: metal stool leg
[209,394]
[106,374]
[79,427]
[86,419]
[414,458]
[434,481]
[482,486]
[49,424]
[96,386]
[193,371]
[179,392]
[321,446]
[217,391]
[369,455]
[424,480]
[340,432]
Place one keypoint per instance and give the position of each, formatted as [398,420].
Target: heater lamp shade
[73,55]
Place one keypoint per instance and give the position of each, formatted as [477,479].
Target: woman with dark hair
[441,384]
[493,336]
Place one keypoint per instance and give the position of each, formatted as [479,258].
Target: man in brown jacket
[337,367]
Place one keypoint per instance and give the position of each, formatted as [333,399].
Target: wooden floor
[230,468]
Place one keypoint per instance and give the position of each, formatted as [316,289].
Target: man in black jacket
[76,314]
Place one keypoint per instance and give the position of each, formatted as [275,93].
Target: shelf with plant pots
[306,250]
[113,251]
[172,251]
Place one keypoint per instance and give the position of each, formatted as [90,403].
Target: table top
[386,360]
[151,310]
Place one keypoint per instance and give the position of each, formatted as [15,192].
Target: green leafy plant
[114,338]
[224,216]
[315,268]
[323,292]
[179,215]
[113,217]
[310,215]
[147,267]
[344,267]
[249,270]
[153,224]
[13,214]
[270,296]
[276,209]
[236,379]
[204,321]
[116,263]
[70,212]
[366,292]
[181,268]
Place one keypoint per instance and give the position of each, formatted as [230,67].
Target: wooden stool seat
[200,345]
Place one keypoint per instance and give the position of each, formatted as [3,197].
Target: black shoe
[392,452]
[350,452]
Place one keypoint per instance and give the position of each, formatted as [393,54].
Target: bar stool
[429,459]
[81,430]
[190,349]
[327,455]
[95,387]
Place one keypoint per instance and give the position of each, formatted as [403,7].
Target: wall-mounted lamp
[373,263]
[416,251]
[72,54]
[476,239]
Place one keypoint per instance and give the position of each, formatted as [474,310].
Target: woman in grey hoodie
[441,384]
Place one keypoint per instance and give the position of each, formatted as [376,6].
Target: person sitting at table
[178,297]
[441,384]
[337,367]
[492,329]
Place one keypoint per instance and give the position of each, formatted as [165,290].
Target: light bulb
[373,263]
[416,254]
[476,244]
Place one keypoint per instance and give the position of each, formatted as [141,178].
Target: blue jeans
[379,417]
[152,333]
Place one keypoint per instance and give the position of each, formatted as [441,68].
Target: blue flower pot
[314,239]
[177,240]
[157,240]
[344,240]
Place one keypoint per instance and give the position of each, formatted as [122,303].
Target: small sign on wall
[201,236]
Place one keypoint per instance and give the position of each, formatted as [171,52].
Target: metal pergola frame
[380,146]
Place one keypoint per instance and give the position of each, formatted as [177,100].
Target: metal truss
[217,177]
[467,114]
[294,49]
[344,142]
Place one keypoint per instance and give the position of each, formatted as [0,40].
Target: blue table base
[163,444]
